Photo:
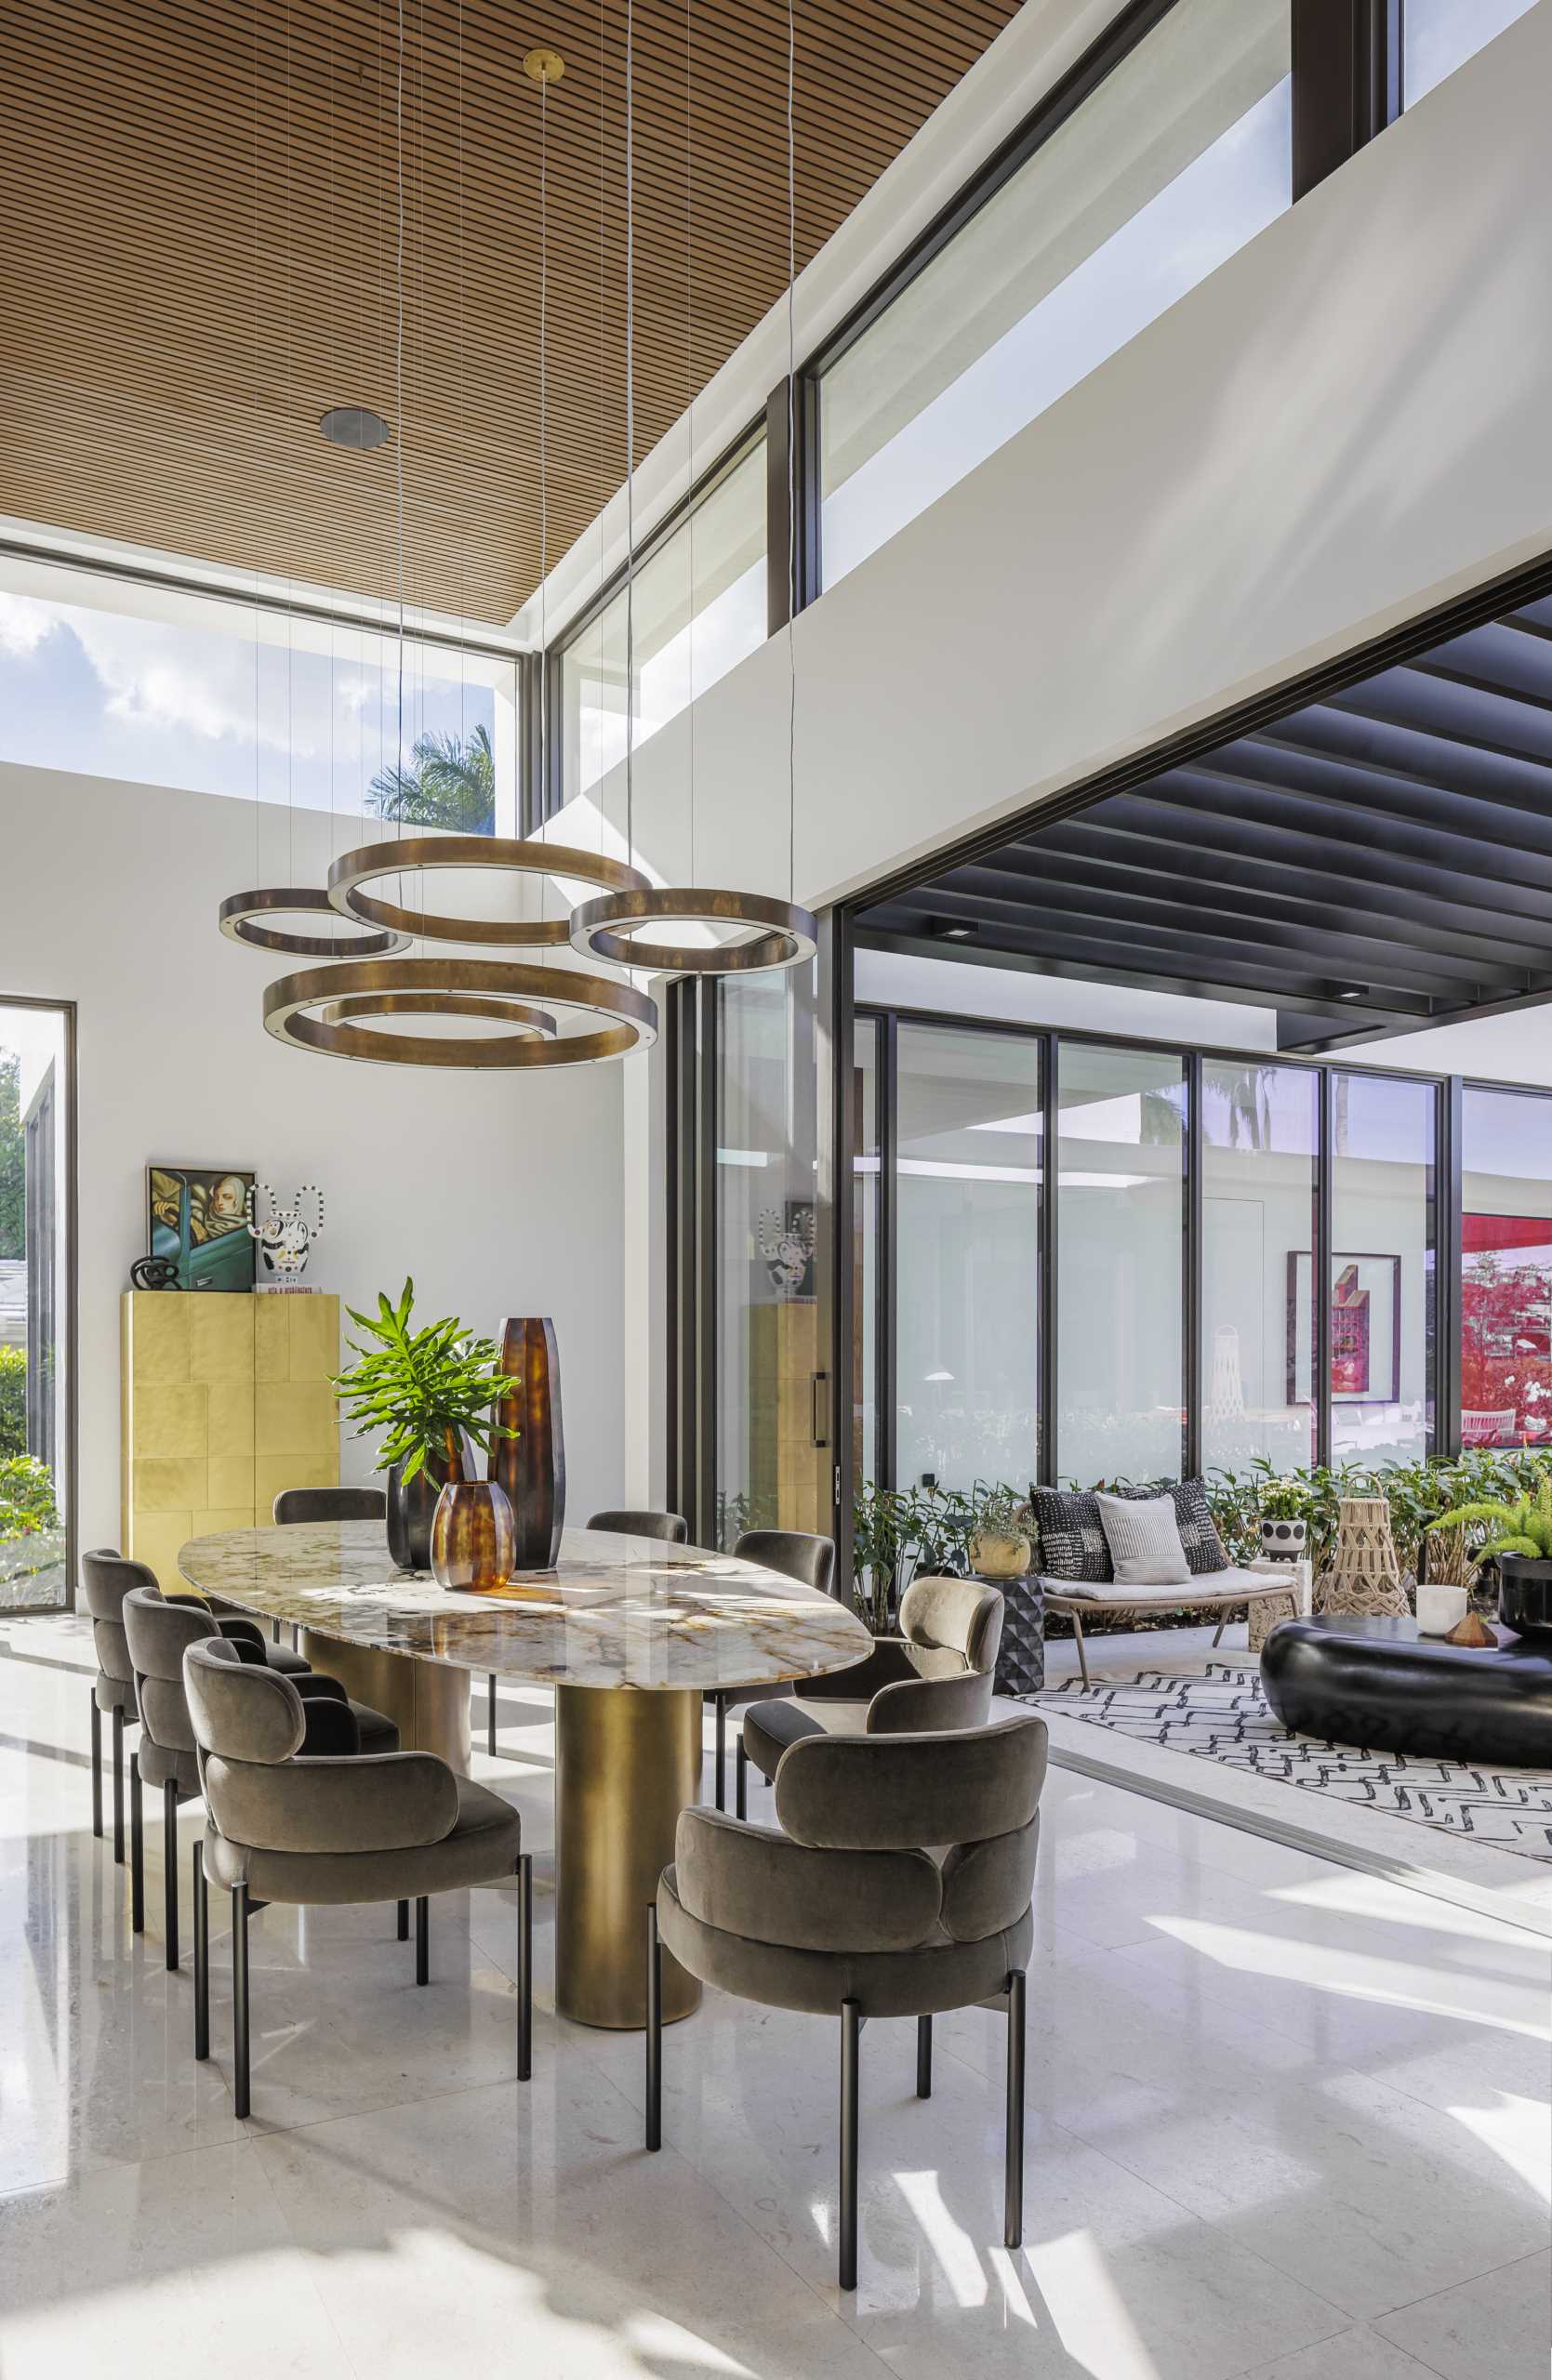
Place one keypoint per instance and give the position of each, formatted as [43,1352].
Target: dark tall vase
[532,1466]
[410,1513]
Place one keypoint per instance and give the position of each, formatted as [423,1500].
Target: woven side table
[1364,1581]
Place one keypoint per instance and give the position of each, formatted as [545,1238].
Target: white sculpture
[283,1237]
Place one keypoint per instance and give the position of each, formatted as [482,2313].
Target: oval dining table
[629,1632]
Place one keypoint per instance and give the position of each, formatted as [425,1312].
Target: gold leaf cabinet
[224,1400]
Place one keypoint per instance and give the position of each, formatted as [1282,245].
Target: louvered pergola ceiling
[201,256]
[1373,862]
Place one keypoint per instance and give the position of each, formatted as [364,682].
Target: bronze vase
[473,1537]
[531,1467]
[411,1510]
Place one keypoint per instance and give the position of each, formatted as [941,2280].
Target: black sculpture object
[154,1273]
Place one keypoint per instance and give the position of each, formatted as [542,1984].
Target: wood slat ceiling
[201,242]
[1369,863]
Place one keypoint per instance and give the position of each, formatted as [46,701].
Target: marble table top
[616,1611]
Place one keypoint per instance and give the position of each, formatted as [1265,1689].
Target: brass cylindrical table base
[427,1700]
[626,1763]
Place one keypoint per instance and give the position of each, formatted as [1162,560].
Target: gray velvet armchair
[797,1554]
[937,1673]
[285,1826]
[846,1913]
[158,1630]
[107,1577]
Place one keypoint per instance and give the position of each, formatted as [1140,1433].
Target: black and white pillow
[1072,1540]
[1204,1549]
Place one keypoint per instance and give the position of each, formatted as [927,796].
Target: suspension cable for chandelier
[778,933]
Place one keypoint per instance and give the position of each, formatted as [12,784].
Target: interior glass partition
[1381,1284]
[1121,1302]
[967,1180]
[1260,1136]
[1506,1357]
[35,1448]
[770,1473]
[1178,158]
[869,1455]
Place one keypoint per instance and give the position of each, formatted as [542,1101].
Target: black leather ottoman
[1378,1684]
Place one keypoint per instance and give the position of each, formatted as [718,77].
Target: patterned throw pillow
[1204,1550]
[1072,1542]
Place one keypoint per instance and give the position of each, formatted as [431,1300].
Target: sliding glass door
[1260,1139]
[35,1241]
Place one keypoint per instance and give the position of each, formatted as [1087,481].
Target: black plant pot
[1525,1596]
[411,1510]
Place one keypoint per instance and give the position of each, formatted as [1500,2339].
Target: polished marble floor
[1285,2121]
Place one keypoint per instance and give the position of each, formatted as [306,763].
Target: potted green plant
[1000,1547]
[425,1390]
[1520,1543]
[1284,1522]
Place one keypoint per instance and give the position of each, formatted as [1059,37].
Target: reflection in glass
[1442,34]
[770,1473]
[1505,1362]
[35,1187]
[1382,1269]
[1180,157]
[967,1293]
[1120,1241]
[699,606]
[1259,1127]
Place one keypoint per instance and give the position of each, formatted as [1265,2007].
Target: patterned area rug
[1223,1716]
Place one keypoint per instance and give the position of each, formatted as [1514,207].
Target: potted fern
[425,1390]
[1520,1543]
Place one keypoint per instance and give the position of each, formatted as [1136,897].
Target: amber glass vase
[473,1536]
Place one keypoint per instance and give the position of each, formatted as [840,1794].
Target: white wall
[500,1193]
[1341,426]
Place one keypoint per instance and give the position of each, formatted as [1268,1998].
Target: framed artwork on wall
[197,1216]
[1365,1328]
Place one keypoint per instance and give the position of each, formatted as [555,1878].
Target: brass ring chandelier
[781,934]
[504,854]
[238,915]
[318,1009]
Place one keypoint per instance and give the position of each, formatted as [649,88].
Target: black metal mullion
[1320,1266]
[707,1452]
[835,1210]
[1449,1235]
[1050,1111]
[1345,57]
[532,672]
[1191,1267]
[887,1319]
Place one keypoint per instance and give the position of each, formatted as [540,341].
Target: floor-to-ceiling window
[1442,34]
[1506,1357]
[770,1471]
[1384,1234]
[1120,1184]
[1260,1127]
[966,1286]
[34,1307]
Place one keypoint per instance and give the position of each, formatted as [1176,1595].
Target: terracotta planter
[998,1557]
[473,1537]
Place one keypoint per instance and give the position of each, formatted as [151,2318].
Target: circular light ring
[289,1014]
[236,918]
[788,935]
[354,870]
[535,1024]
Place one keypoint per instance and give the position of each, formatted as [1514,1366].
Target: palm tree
[452,783]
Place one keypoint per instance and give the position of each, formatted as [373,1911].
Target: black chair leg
[170,1864]
[721,1751]
[850,2043]
[403,1921]
[240,1997]
[923,2057]
[96,1768]
[137,1850]
[1013,2218]
[274,1630]
[654,2031]
[423,1938]
[490,1714]
[741,1790]
[201,1956]
[118,1787]
[525,1967]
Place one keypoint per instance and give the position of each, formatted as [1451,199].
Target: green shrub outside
[13,1401]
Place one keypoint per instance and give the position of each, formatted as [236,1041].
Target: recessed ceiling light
[951,929]
[1352,991]
[354,426]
